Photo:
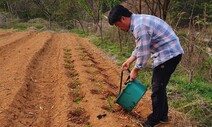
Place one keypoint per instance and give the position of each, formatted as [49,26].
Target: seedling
[77,97]
[72,73]
[69,66]
[76,84]
[109,107]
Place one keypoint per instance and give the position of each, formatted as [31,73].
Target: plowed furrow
[38,98]
[12,38]
[13,80]
[13,65]
[6,34]
[97,86]
[40,102]
[109,75]
[11,44]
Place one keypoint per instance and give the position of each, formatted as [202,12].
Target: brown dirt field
[52,79]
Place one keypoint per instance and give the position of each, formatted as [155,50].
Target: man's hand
[126,64]
[134,74]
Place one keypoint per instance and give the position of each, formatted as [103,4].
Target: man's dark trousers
[160,79]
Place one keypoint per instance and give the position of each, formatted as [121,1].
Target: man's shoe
[150,124]
[164,120]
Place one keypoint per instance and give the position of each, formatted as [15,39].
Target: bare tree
[48,7]
[158,7]
[94,9]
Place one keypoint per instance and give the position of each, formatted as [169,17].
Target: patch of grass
[201,88]
[194,99]
[80,32]
[197,108]
[198,86]
[25,25]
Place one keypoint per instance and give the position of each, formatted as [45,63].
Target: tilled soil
[51,79]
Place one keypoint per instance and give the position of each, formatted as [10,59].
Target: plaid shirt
[153,37]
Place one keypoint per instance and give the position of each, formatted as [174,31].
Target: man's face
[123,24]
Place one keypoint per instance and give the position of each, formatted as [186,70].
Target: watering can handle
[122,79]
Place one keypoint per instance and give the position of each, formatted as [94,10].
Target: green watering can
[131,94]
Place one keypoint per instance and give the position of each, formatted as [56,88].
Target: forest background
[190,88]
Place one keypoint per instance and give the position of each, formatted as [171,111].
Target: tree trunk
[190,76]
[165,8]
[9,8]
[120,44]
[50,23]
[139,6]
[100,29]
[81,25]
